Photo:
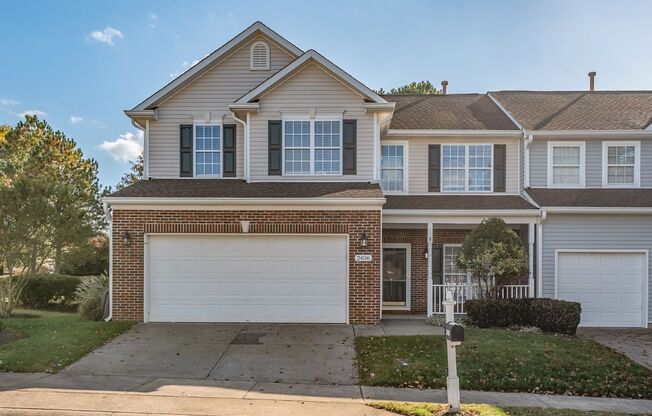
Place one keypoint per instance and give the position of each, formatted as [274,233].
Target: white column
[539,290]
[530,252]
[429,260]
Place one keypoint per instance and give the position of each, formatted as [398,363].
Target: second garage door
[609,285]
[247,278]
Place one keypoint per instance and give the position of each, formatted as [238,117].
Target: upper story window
[621,164]
[259,56]
[392,168]
[467,168]
[566,164]
[312,147]
[208,150]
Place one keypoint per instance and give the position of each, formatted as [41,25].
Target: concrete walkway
[31,394]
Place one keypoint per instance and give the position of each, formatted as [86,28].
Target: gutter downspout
[526,158]
[245,128]
[145,131]
[539,289]
[109,216]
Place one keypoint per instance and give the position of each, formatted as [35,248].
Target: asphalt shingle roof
[235,188]
[578,110]
[598,198]
[448,112]
[454,202]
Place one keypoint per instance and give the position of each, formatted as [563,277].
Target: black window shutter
[434,171]
[349,145]
[274,147]
[228,149]
[500,168]
[437,265]
[185,150]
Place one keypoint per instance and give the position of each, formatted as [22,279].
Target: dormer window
[259,56]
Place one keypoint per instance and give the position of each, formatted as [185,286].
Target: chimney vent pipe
[592,75]
[444,84]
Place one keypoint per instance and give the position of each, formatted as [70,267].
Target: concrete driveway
[312,354]
[635,343]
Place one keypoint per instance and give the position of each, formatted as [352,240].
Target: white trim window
[208,150]
[453,274]
[467,168]
[312,147]
[566,164]
[621,164]
[259,56]
[393,168]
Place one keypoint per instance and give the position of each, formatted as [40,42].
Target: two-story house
[282,189]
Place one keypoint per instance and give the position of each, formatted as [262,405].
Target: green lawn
[52,340]
[432,409]
[502,360]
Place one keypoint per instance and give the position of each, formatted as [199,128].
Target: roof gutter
[244,201]
[592,133]
[599,210]
[453,133]
[464,212]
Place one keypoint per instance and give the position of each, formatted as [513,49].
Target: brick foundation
[128,271]
[417,238]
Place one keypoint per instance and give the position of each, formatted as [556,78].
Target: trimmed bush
[549,315]
[91,294]
[50,291]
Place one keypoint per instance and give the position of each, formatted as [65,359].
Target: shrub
[91,259]
[91,295]
[549,315]
[46,291]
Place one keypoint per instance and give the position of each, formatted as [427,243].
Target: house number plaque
[363,257]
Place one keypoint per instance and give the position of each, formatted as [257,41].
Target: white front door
[247,278]
[608,285]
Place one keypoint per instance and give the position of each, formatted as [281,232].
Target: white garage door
[608,285]
[247,278]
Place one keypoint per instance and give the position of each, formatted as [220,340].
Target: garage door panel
[247,278]
[608,285]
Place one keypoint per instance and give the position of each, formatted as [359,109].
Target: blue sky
[80,63]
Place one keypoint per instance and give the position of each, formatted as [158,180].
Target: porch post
[429,260]
[530,251]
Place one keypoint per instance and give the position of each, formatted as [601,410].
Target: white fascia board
[599,210]
[144,114]
[463,213]
[600,134]
[389,106]
[210,59]
[453,133]
[244,201]
[507,113]
[245,106]
[315,56]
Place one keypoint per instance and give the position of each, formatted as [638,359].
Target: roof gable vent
[259,56]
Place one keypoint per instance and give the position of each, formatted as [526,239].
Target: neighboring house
[282,189]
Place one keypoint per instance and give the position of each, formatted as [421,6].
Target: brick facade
[417,238]
[128,260]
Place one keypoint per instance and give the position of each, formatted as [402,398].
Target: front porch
[419,264]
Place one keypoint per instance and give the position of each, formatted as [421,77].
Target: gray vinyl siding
[603,232]
[223,84]
[418,159]
[312,89]
[539,162]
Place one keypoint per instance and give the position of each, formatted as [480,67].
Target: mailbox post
[454,336]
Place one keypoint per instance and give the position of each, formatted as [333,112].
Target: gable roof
[448,112]
[296,65]
[205,64]
[578,110]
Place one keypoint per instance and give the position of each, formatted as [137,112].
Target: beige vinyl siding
[211,93]
[312,89]
[418,159]
[539,161]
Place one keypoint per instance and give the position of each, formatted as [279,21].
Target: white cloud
[153,19]
[126,147]
[32,113]
[8,101]
[106,35]
[186,65]
[76,119]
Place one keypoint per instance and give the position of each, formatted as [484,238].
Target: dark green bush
[50,291]
[549,315]
[90,259]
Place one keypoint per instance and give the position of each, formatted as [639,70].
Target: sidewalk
[49,394]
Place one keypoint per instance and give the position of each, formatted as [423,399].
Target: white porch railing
[464,292]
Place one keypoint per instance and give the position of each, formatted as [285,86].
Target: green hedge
[549,315]
[50,291]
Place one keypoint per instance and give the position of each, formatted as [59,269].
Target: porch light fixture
[425,253]
[364,239]
[245,226]
[126,238]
